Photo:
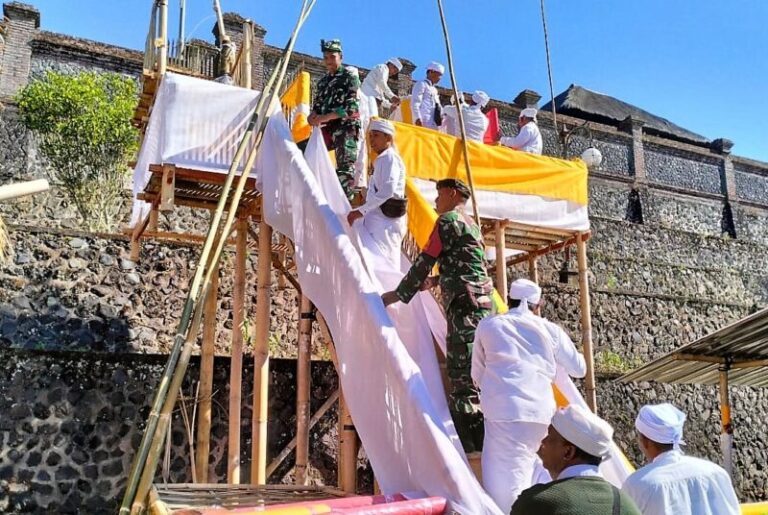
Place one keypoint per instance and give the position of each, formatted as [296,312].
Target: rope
[549,72]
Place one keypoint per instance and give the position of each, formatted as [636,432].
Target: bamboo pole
[261,358]
[347,449]
[20,189]
[162,42]
[147,454]
[203,444]
[459,113]
[586,323]
[303,383]
[533,268]
[726,427]
[236,362]
[247,62]
[501,261]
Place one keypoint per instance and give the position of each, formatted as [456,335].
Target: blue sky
[700,63]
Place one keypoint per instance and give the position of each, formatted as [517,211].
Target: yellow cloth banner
[432,155]
[296,105]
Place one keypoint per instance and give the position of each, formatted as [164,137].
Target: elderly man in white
[528,138]
[383,212]
[475,121]
[426,110]
[514,362]
[672,482]
[375,86]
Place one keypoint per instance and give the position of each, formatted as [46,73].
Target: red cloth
[493,132]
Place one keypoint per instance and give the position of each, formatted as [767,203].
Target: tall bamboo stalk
[236,362]
[459,113]
[303,385]
[257,123]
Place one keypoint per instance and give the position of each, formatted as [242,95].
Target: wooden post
[347,449]
[236,363]
[726,431]
[247,49]
[153,219]
[533,268]
[261,358]
[167,187]
[586,322]
[303,383]
[203,437]
[501,260]
[162,43]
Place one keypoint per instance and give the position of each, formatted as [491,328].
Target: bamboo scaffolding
[145,460]
[501,269]
[203,438]
[586,323]
[303,384]
[347,449]
[236,362]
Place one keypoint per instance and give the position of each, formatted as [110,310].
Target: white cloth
[525,289]
[436,67]
[382,125]
[405,429]
[682,485]
[662,423]
[481,98]
[527,140]
[394,61]
[424,98]
[375,84]
[529,112]
[475,122]
[387,181]
[583,470]
[509,459]
[514,361]
[584,429]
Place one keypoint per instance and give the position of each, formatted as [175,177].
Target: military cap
[456,184]
[331,45]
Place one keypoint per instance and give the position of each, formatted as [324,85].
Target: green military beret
[332,45]
[456,184]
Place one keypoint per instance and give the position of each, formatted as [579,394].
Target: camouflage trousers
[463,397]
[343,140]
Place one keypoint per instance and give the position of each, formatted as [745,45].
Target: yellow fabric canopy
[296,105]
[432,155]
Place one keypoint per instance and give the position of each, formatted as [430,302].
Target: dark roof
[741,346]
[583,103]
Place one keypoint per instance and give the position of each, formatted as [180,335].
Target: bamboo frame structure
[236,363]
[586,323]
[203,436]
[501,247]
[303,384]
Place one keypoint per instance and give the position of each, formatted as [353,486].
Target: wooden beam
[501,271]
[586,324]
[261,358]
[751,363]
[303,384]
[236,363]
[694,357]
[207,352]
[167,188]
[533,269]
[136,233]
[541,251]
[347,449]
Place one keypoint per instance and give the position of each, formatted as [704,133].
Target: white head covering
[523,289]
[662,423]
[396,63]
[480,98]
[584,429]
[436,67]
[353,70]
[382,125]
[529,112]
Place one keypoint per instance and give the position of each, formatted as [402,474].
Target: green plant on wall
[83,125]
[608,362]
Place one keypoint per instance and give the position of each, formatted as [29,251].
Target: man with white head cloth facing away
[475,121]
[383,212]
[672,482]
[425,102]
[514,361]
[577,442]
[528,138]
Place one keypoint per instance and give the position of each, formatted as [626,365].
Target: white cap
[584,429]
[523,289]
[382,125]
[662,423]
[480,98]
[436,67]
[396,63]
[529,112]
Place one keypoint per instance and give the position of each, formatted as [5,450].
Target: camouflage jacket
[456,245]
[337,93]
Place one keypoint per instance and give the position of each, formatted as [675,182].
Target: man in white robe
[528,138]
[426,110]
[672,482]
[475,121]
[383,212]
[514,362]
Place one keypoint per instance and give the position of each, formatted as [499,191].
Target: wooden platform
[191,499]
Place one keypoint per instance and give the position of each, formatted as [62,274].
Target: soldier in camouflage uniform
[456,245]
[336,109]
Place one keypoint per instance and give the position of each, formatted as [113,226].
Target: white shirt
[683,485]
[514,363]
[475,122]
[424,98]
[375,84]
[527,140]
[388,180]
[583,470]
